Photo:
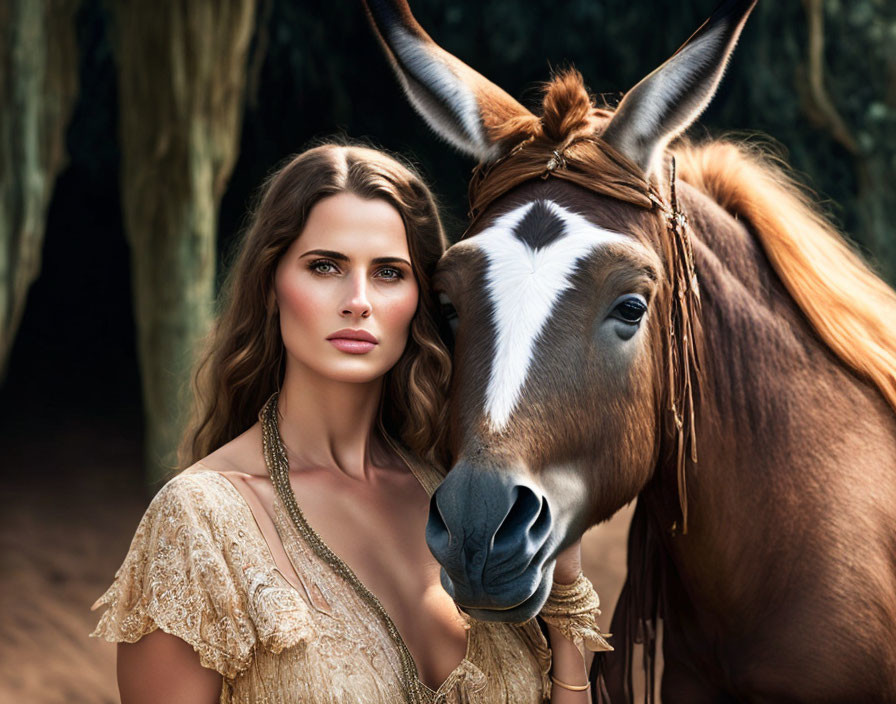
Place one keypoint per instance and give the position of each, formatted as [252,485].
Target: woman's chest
[379,530]
[379,539]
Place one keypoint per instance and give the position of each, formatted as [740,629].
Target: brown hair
[560,143]
[242,363]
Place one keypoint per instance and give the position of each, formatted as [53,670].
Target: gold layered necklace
[278,468]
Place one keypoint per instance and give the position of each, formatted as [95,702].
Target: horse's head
[572,292]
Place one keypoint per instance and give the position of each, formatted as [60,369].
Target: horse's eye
[449,312]
[630,310]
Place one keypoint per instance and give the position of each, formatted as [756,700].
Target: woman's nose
[356,303]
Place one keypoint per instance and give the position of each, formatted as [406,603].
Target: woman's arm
[163,668]
[570,667]
[570,663]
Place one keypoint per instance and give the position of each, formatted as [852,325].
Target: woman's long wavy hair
[242,363]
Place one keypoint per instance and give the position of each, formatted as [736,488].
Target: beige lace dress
[200,569]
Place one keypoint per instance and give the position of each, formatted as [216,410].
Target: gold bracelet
[571,687]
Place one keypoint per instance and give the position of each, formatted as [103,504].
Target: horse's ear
[457,102]
[670,99]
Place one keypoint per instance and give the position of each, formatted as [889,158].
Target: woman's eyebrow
[391,260]
[339,256]
[325,253]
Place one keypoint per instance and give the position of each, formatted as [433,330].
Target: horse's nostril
[527,515]
[437,533]
[541,526]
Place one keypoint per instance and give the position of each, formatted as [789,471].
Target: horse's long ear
[457,102]
[670,99]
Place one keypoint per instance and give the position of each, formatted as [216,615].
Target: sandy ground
[70,503]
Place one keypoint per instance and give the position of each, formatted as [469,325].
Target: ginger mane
[846,303]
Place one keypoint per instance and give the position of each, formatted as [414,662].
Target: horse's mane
[851,309]
[567,110]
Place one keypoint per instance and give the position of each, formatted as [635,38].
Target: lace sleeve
[177,577]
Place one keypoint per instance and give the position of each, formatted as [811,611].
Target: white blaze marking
[523,285]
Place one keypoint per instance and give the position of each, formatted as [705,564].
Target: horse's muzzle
[491,532]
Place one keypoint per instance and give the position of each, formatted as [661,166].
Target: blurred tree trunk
[38,85]
[865,56]
[181,82]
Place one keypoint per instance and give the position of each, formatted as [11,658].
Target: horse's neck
[777,424]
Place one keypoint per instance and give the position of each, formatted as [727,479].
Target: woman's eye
[630,310]
[390,273]
[322,266]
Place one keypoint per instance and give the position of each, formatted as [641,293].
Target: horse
[637,316]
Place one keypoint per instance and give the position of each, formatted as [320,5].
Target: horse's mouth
[515,612]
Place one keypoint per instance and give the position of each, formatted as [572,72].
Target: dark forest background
[818,77]
[313,69]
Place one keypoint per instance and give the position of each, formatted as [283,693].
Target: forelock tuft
[568,110]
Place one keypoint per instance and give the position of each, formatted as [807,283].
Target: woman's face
[346,291]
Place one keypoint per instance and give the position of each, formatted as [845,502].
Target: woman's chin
[353,371]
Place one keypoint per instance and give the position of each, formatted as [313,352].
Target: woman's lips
[353,341]
[351,346]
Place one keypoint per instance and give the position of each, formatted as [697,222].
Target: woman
[318,437]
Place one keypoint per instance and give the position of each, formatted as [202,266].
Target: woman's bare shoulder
[241,456]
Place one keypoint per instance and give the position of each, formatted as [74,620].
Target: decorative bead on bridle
[557,161]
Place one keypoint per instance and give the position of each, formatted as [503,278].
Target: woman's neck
[326,423]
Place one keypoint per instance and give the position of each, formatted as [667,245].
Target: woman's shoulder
[187,572]
[198,568]
[211,479]
[240,457]
[199,506]
[241,454]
